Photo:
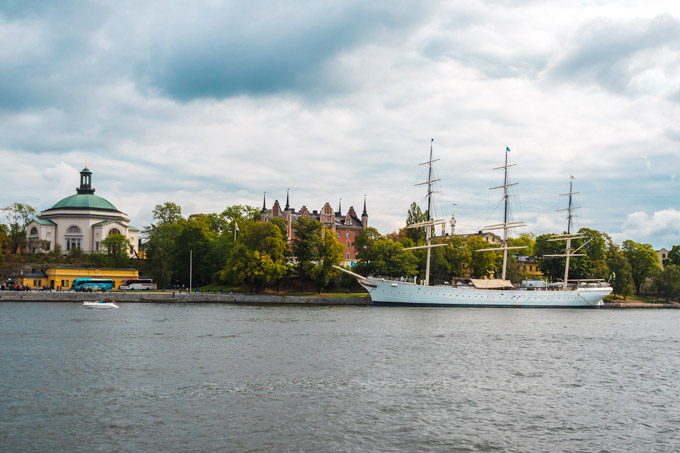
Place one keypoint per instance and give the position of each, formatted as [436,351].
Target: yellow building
[62,277]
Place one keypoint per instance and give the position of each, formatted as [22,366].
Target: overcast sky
[212,103]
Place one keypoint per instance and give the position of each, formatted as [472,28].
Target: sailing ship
[483,292]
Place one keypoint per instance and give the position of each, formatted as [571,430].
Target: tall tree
[643,261]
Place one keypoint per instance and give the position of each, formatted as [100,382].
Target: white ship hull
[389,292]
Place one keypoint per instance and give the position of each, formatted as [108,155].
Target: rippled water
[248,378]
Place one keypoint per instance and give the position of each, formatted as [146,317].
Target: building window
[347,244]
[348,256]
[34,231]
[114,231]
[339,235]
[96,246]
[348,235]
[73,230]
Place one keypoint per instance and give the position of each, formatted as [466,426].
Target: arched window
[114,231]
[73,229]
[34,231]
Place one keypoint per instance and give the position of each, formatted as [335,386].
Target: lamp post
[191,260]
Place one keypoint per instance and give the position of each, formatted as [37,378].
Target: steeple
[85,181]
[287,202]
[364,215]
[340,207]
[264,214]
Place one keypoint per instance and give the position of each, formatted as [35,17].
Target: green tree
[329,255]
[481,263]
[160,249]
[258,258]
[413,216]
[379,256]
[674,256]
[18,215]
[643,261]
[667,281]
[621,277]
[526,240]
[167,213]
[306,246]
[117,246]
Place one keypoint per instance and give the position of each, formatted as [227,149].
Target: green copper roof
[84,201]
[44,222]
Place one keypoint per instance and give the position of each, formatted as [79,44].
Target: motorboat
[99,304]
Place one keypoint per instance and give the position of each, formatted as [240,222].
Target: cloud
[662,228]
[625,57]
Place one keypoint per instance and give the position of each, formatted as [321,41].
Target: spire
[85,181]
[340,207]
[264,204]
[364,213]
[364,216]
[287,202]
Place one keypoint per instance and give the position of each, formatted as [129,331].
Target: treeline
[235,248]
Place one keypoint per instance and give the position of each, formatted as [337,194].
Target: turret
[264,214]
[85,181]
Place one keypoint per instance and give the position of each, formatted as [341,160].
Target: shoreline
[236,298]
[176,297]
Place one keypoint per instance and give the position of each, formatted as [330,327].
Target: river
[211,377]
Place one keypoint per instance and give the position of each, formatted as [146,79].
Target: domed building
[80,221]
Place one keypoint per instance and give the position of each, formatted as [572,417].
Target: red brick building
[345,226]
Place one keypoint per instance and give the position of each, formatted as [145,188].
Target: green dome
[84,201]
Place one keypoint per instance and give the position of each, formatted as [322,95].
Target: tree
[167,213]
[621,277]
[18,216]
[667,281]
[306,246]
[380,256]
[413,216]
[160,249]
[329,255]
[481,263]
[258,258]
[117,246]
[526,240]
[674,255]
[643,261]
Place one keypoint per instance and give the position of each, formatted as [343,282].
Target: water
[172,378]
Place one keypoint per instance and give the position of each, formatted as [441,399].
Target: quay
[177,297]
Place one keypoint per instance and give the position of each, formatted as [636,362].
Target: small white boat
[99,304]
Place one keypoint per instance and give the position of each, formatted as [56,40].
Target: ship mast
[428,223]
[569,236]
[505,226]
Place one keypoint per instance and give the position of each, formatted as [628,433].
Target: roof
[84,201]
[491,284]
[44,222]
[33,275]
[131,228]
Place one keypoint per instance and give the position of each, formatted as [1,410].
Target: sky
[213,103]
